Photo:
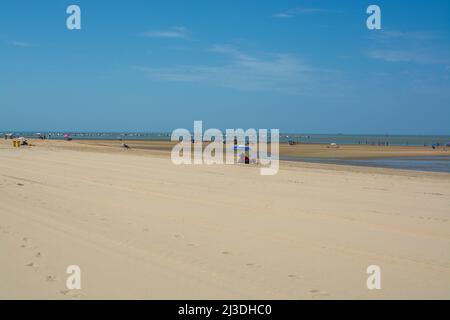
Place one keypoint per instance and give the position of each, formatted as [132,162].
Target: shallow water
[426,163]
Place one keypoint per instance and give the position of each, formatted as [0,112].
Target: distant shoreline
[324,139]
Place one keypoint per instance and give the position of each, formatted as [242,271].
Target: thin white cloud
[392,55]
[411,46]
[21,44]
[174,32]
[292,13]
[411,35]
[266,72]
[283,15]
[416,56]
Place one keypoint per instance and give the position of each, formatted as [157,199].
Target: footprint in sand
[70,293]
[178,236]
[145,230]
[27,243]
[32,265]
[317,293]
[191,244]
[254,265]
[38,255]
[226,252]
[26,246]
[51,278]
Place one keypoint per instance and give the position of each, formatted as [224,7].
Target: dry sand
[140,227]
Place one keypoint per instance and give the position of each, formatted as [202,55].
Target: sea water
[422,163]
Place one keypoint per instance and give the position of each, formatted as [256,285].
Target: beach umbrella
[242,148]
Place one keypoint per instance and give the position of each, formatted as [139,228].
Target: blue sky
[300,66]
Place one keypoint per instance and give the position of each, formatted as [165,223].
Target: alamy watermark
[235,146]
[373,22]
[73,21]
[374,279]
[73,281]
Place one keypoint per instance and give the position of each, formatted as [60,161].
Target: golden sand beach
[140,227]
